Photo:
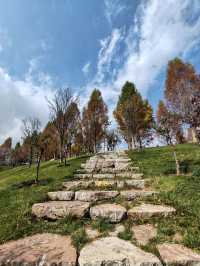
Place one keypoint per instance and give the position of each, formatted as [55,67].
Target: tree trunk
[31,156]
[176,161]
[38,167]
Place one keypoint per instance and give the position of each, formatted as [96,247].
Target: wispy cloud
[86,68]
[113,8]
[158,34]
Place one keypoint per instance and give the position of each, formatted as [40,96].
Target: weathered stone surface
[135,194]
[60,209]
[178,238]
[61,195]
[144,233]
[40,249]
[119,228]
[145,211]
[129,175]
[140,184]
[85,195]
[175,254]
[92,233]
[105,183]
[114,251]
[104,176]
[77,184]
[114,213]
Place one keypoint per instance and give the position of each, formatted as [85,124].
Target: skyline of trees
[71,131]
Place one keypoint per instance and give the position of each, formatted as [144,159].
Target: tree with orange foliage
[182,93]
[95,121]
[134,116]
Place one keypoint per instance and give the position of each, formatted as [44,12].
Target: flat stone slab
[77,184]
[114,251]
[144,233]
[86,195]
[40,249]
[146,211]
[60,209]
[61,195]
[114,213]
[135,194]
[104,183]
[129,175]
[132,183]
[92,233]
[175,254]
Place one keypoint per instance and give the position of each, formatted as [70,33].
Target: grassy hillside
[17,197]
[182,192]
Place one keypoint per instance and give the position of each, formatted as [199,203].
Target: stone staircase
[102,188]
[102,180]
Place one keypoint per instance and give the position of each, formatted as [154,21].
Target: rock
[145,211]
[144,233]
[60,209]
[114,213]
[134,194]
[175,254]
[139,184]
[129,175]
[85,195]
[92,233]
[178,238]
[61,195]
[114,251]
[104,176]
[40,249]
[105,183]
[119,228]
[77,184]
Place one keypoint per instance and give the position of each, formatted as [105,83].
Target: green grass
[16,201]
[181,192]
[160,161]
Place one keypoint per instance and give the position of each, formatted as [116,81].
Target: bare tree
[62,114]
[31,128]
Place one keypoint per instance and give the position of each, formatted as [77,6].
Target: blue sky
[83,44]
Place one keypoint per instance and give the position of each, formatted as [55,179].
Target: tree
[168,127]
[95,121]
[31,127]
[182,93]
[61,112]
[133,115]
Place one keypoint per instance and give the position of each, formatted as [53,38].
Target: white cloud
[86,68]
[20,99]
[113,8]
[159,33]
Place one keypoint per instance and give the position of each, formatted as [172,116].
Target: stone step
[108,170]
[77,184]
[104,183]
[114,251]
[144,233]
[92,196]
[61,195]
[40,249]
[60,209]
[175,254]
[135,194]
[108,176]
[146,211]
[114,213]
